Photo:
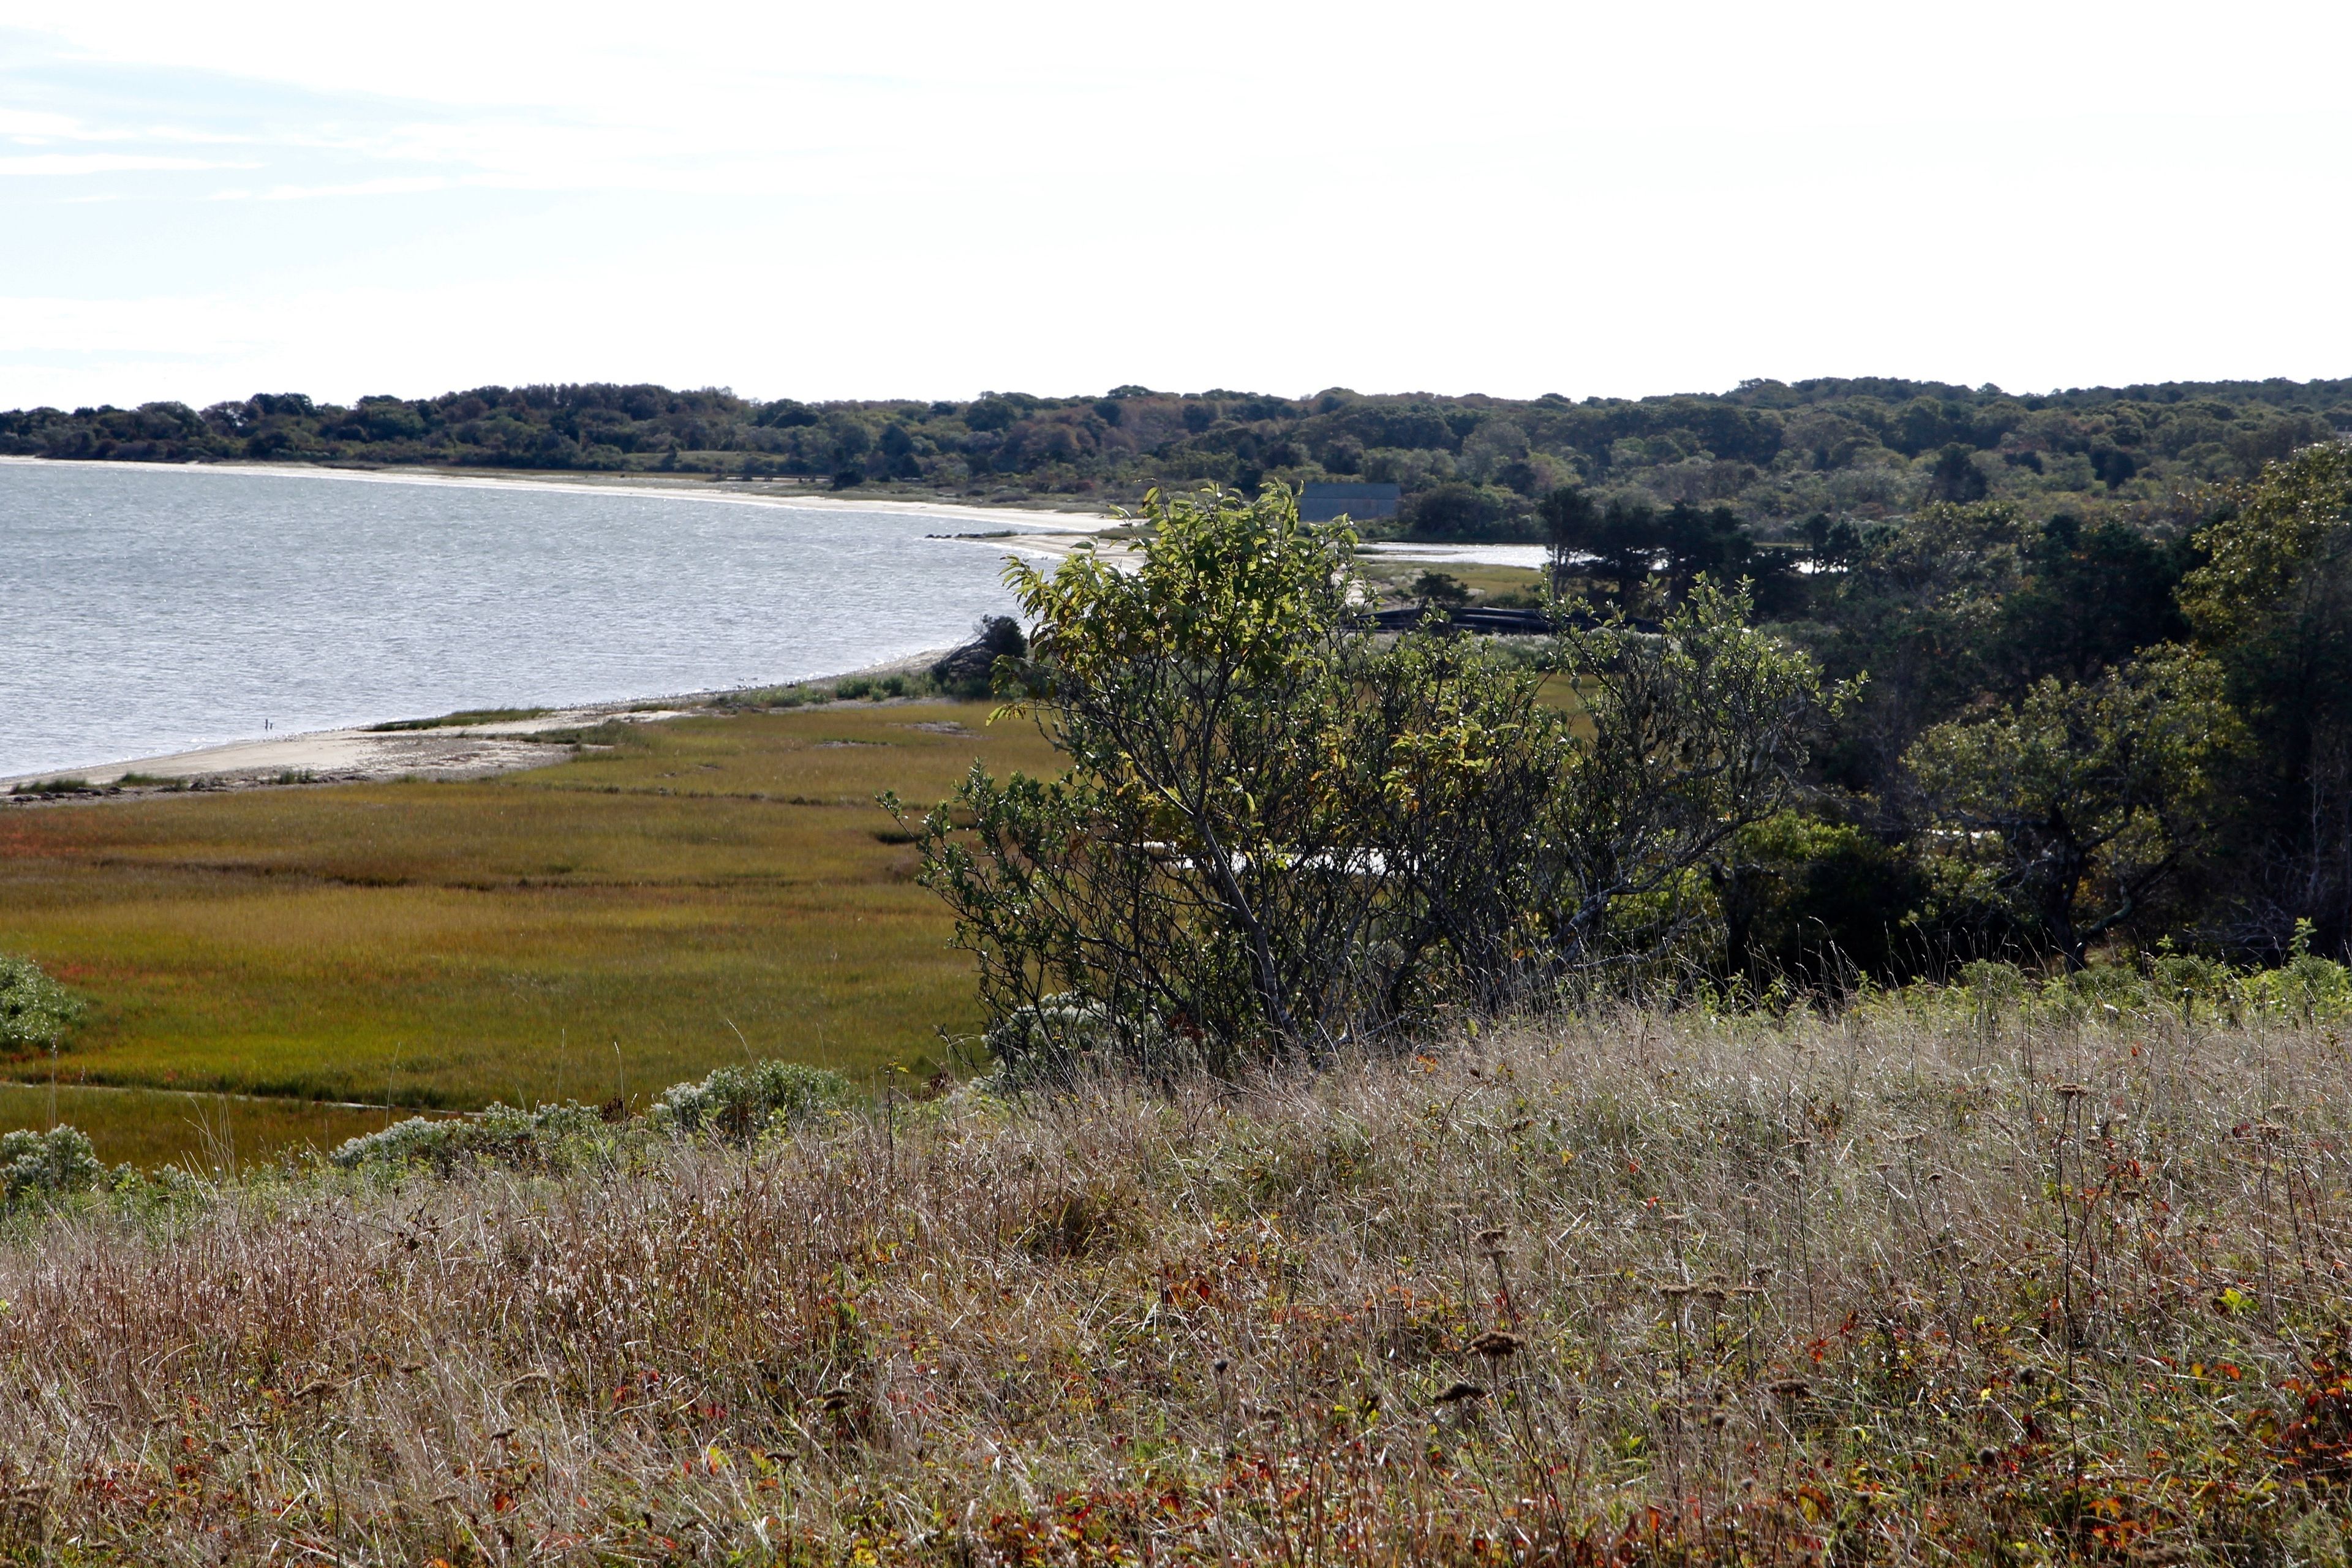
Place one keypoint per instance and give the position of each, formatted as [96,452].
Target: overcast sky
[199,202]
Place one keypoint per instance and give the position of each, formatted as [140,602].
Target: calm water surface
[149,609]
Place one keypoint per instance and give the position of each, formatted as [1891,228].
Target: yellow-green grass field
[702,892]
[1483,580]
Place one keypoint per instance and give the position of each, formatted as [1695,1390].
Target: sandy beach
[362,755]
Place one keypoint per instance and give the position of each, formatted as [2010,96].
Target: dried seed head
[1456,1392]
[1496,1343]
[1792,1387]
[1491,1240]
[2281,1112]
[1219,1365]
[1987,1456]
[2070,1090]
[1675,1292]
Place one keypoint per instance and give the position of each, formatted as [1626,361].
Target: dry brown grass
[1887,1287]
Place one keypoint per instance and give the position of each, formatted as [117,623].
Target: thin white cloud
[56,165]
[31,124]
[390,186]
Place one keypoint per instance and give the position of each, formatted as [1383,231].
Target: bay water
[146,609]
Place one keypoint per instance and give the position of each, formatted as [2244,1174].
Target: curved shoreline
[728,493]
[351,750]
[356,754]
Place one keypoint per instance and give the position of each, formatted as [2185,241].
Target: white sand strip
[362,755]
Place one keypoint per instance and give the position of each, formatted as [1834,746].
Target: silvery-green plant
[41,1165]
[37,1014]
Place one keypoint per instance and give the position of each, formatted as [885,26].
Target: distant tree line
[1775,457]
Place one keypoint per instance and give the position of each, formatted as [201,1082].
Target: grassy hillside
[698,891]
[1950,1278]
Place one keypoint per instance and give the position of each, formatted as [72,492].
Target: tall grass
[1907,1284]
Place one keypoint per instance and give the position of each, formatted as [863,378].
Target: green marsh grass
[151,1128]
[458,721]
[683,895]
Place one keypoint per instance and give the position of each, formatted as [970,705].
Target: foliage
[40,1166]
[2074,805]
[2273,600]
[1441,589]
[37,1014]
[740,1103]
[1278,831]
[970,670]
[736,1103]
[1774,453]
[500,1135]
[1815,902]
[2157,986]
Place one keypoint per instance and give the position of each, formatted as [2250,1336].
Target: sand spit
[730,492]
[359,755]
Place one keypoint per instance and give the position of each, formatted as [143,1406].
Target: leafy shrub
[37,1014]
[1049,1041]
[500,1135]
[739,1103]
[148,1194]
[2306,988]
[39,1166]
[969,671]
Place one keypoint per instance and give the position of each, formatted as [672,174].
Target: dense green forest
[1775,454]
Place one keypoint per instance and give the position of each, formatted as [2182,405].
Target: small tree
[1440,590]
[2072,807]
[1571,516]
[37,1014]
[1696,732]
[1277,830]
[1194,875]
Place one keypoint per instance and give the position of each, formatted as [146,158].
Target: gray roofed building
[1321,502]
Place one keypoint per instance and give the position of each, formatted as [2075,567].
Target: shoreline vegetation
[1857,449]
